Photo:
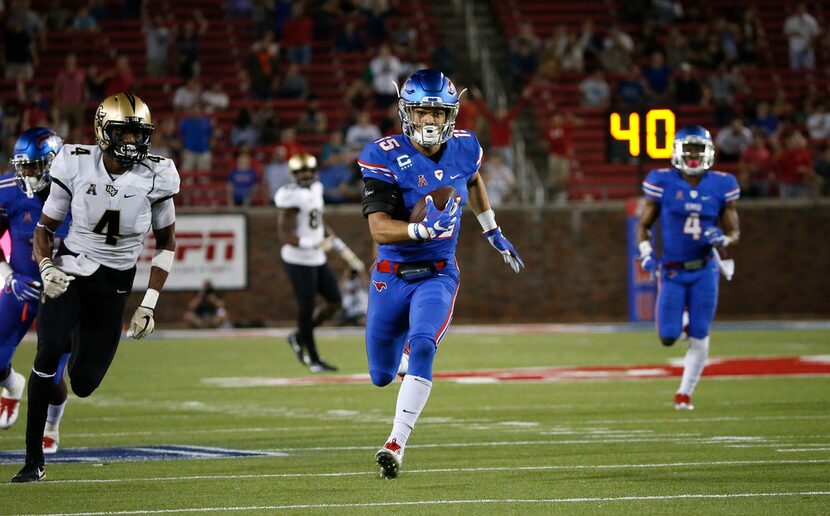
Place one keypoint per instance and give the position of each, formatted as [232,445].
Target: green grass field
[754,445]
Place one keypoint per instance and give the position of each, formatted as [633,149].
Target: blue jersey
[21,214]
[686,211]
[395,160]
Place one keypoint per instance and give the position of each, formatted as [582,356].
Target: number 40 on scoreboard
[659,132]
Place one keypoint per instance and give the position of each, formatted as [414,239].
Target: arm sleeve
[57,204]
[379,196]
[732,191]
[163,213]
[653,187]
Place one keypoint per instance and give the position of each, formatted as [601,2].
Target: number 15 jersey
[111,215]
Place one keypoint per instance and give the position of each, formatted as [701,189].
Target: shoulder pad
[166,182]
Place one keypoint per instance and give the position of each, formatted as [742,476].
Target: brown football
[440,196]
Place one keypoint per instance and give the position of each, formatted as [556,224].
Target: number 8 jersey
[308,201]
[686,211]
[111,215]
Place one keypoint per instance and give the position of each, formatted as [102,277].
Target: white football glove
[55,282]
[142,323]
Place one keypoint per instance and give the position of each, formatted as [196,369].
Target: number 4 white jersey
[310,230]
[111,215]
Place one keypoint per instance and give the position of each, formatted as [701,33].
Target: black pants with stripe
[86,321]
[308,281]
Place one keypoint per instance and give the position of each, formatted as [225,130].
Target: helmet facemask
[303,168]
[32,175]
[127,152]
[693,155]
[427,135]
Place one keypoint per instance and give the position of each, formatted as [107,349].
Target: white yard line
[460,502]
[577,467]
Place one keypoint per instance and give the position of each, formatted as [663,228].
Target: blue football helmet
[694,150]
[428,89]
[33,153]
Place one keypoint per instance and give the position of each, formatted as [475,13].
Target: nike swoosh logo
[128,196]
[146,321]
[409,411]
[455,176]
[120,291]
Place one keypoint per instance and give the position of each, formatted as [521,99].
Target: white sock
[14,384]
[54,415]
[403,367]
[9,380]
[693,364]
[411,400]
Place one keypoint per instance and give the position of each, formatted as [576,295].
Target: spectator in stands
[753,168]
[69,94]
[31,20]
[410,63]
[405,37]
[196,130]
[764,120]
[35,110]
[288,141]
[698,48]
[591,43]
[99,10]
[361,133]
[658,79]
[349,39]
[359,96]
[443,58]
[187,94]
[19,50]
[822,168]
[616,36]
[752,39]
[332,147]
[84,21]
[594,91]
[724,84]
[469,117]
[297,34]
[801,28]
[732,140]
[120,78]
[96,83]
[215,99]
[794,166]
[189,44]
[688,90]
[386,70]
[500,123]
[784,110]
[341,183]
[268,122]
[713,54]
[523,63]
[499,178]
[242,85]
[375,21]
[631,90]
[57,16]
[241,180]
[668,11]
[616,55]
[728,38]
[58,123]
[650,39]
[676,48]
[294,84]
[166,140]
[526,36]
[157,38]
[239,8]
[262,17]
[277,173]
[244,132]
[559,140]
[818,121]
[206,309]
[390,123]
[264,64]
[313,120]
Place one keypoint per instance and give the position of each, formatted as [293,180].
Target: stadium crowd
[775,141]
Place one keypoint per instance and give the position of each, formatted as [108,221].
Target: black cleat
[294,342]
[321,367]
[31,472]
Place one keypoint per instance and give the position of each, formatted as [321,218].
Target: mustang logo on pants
[379,285]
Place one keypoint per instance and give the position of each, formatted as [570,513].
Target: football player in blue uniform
[22,194]
[698,213]
[415,279]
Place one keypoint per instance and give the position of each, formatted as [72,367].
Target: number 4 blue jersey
[686,211]
[21,214]
[393,159]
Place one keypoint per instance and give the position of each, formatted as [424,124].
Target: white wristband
[163,260]
[645,248]
[338,245]
[307,242]
[487,219]
[5,271]
[150,299]
[417,231]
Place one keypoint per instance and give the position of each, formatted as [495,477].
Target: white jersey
[310,229]
[111,215]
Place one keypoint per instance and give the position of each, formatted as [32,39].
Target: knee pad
[381,378]
[421,355]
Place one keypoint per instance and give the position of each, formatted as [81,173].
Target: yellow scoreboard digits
[632,133]
[667,116]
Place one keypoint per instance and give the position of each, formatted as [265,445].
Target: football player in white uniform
[117,192]
[306,240]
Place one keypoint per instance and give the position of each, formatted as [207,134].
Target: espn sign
[208,247]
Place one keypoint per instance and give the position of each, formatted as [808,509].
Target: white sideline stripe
[454,502]
[436,470]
